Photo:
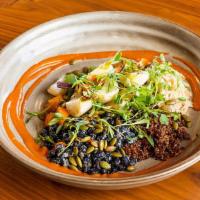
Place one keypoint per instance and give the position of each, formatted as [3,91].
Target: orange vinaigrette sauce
[14,106]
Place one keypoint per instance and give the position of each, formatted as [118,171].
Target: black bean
[90,131]
[100,155]
[91,171]
[64,162]
[90,161]
[86,160]
[44,132]
[93,136]
[86,169]
[121,167]
[65,155]
[119,143]
[111,121]
[83,148]
[125,160]
[108,157]
[51,154]
[114,169]
[81,133]
[52,129]
[117,161]
[97,166]
[104,171]
[132,161]
[49,145]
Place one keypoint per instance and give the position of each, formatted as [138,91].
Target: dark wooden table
[19,183]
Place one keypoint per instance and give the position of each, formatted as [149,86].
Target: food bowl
[81,33]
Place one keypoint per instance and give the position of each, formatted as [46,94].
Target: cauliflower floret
[135,78]
[54,90]
[77,107]
[104,95]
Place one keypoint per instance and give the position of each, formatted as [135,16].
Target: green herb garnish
[70,78]
[164,119]
[117,56]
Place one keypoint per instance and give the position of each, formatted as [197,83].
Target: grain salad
[104,119]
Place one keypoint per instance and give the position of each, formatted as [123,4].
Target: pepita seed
[79,162]
[83,128]
[72,161]
[98,126]
[116,154]
[118,121]
[101,145]
[175,125]
[85,139]
[59,128]
[98,130]
[104,165]
[90,149]
[75,150]
[122,152]
[130,168]
[113,141]
[94,143]
[73,167]
[105,144]
[110,148]
[186,118]
[170,102]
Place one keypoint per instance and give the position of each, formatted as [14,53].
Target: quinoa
[167,140]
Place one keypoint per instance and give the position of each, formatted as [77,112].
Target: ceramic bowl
[93,32]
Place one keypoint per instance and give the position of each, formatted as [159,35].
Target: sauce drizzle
[14,106]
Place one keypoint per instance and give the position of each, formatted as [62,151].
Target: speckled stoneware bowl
[92,32]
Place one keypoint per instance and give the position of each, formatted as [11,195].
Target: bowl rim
[192,159]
